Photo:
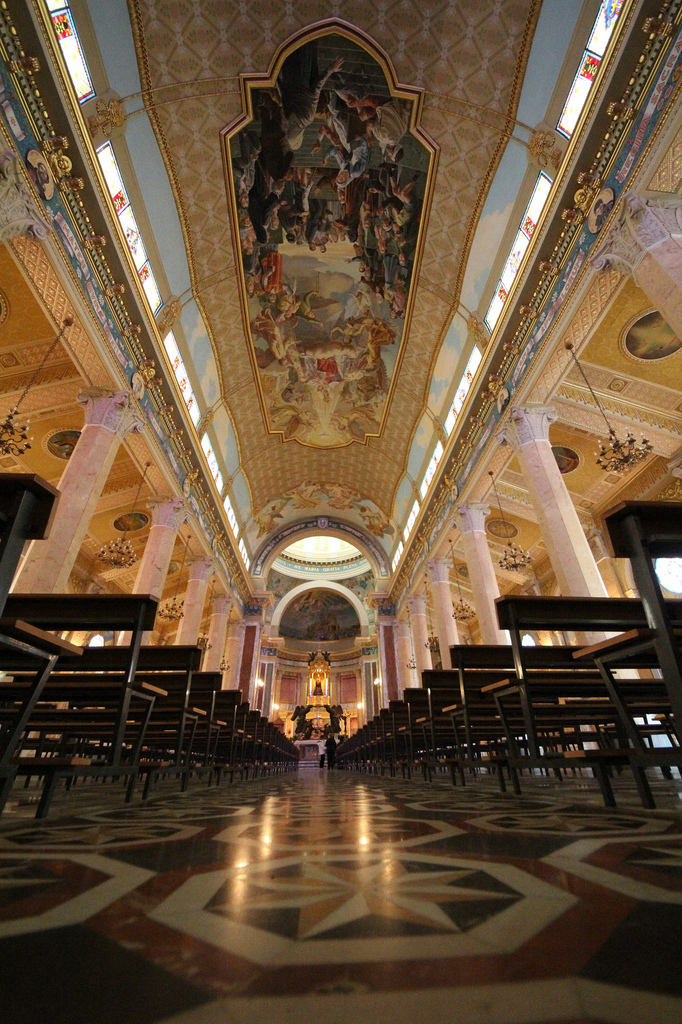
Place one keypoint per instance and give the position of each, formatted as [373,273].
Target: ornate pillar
[168,514]
[420,634]
[200,570]
[387,654]
[250,654]
[645,243]
[605,563]
[233,655]
[439,570]
[405,654]
[217,634]
[19,214]
[481,572]
[109,416]
[567,546]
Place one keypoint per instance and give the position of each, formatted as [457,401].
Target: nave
[336,897]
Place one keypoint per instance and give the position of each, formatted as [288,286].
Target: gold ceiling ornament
[543,147]
[110,115]
[495,385]
[119,553]
[614,456]
[513,559]
[14,439]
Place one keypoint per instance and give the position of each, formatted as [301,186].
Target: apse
[320,615]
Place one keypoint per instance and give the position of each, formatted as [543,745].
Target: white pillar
[387,655]
[233,655]
[567,546]
[420,635]
[217,634]
[439,569]
[405,655]
[200,570]
[109,416]
[481,572]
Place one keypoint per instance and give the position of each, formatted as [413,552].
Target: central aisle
[326,896]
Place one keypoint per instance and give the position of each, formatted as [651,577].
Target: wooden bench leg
[6,783]
[643,787]
[500,777]
[601,774]
[49,787]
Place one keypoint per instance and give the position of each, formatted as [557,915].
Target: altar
[309,753]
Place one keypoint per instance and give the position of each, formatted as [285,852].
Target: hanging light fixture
[14,439]
[172,611]
[224,665]
[513,559]
[411,664]
[203,640]
[615,456]
[432,643]
[119,553]
[462,611]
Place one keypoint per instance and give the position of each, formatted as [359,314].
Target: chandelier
[462,611]
[432,642]
[204,643]
[119,553]
[172,611]
[224,664]
[615,456]
[512,559]
[14,439]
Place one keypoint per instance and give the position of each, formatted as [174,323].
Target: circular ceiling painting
[566,459]
[463,571]
[131,522]
[62,444]
[502,529]
[651,337]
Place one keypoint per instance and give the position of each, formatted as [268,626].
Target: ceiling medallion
[513,559]
[317,160]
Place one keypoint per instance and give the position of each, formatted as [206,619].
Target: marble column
[645,243]
[420,635]
[605,564]
[446,627]
[200,570]
[109,416]
[217,634]
[233,655]
[387,654]
[569,551]
[481,572]
[168,514]
[405,654]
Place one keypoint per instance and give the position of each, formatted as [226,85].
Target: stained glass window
[112,176]
[212,462]
[529,223]
[69,44]
[231,517]
[669,572]
[411,520]
[398,552]
[432,467]
[181,376]
[244,554]
[589,65]
[463,389]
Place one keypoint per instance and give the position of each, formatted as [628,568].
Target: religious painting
[502,529]
[62,443]
[566,459]
[39,173]
[320,615]
[651,337]
[330,179]
[131,522]
[600,210]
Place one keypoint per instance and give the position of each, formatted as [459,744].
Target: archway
[321,525]
[293,596]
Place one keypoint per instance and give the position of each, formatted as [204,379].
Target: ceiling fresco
[365,387]
[329,183]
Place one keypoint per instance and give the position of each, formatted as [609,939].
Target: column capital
[472,516]
[19,214]
[527,423]
[221,605]
[417,604]
[439,570]
[200,568]
[170,512]
[113,410]
[643,224]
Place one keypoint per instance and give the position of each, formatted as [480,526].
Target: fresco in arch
[320,615]
[329,187]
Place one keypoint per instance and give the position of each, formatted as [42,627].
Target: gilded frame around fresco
[415,96]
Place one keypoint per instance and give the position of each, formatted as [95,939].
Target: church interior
[340,511]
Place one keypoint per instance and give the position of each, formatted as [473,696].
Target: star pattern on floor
[94,835]
[395,897]
[666,858]
[570,823]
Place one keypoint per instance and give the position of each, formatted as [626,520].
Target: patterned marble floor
[331,897]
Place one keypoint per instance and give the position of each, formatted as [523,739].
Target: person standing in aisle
[331,750]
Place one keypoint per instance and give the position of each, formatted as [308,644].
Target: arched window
[527,640]
[96,641]
[669,572]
